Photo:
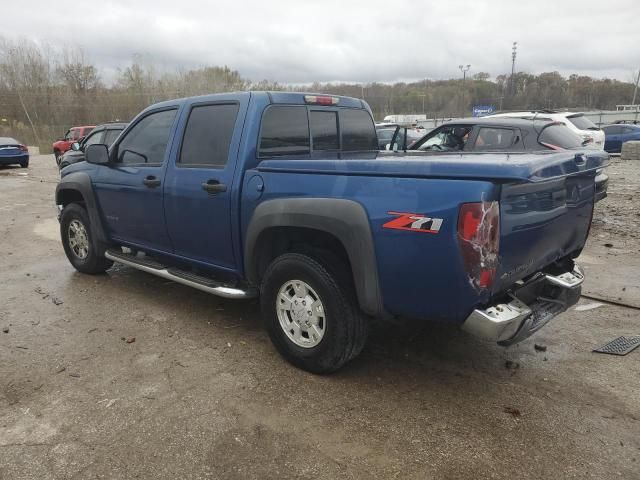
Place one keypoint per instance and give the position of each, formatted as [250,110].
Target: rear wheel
[311,316]
[24,164]
[85,253]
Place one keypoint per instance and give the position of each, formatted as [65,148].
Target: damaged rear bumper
[533,305]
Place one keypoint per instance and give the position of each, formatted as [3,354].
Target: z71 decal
[414,222]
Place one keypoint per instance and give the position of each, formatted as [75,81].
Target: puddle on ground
[49,229]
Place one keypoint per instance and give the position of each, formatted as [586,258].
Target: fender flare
[81,182]
[346,220]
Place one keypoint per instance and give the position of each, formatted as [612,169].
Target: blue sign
[482,110]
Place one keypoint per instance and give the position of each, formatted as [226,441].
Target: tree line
[44,91]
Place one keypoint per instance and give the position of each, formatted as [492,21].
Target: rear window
[288,130]
[358,131]
[583,123]
[285,131]
[324,130]
[559,136]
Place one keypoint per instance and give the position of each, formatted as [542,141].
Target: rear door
[613,138]
[130,189]
[199,198]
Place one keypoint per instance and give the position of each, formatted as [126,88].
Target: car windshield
[583,123]
[558,136]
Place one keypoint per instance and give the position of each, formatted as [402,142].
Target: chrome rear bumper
[509,323]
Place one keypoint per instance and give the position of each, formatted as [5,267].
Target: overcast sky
[342,40]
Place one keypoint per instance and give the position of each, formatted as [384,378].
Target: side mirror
[97,154]
[75,146]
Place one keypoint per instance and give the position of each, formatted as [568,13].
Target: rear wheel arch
[337,226]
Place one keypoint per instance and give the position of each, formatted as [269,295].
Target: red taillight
[23,148]
[321,99]
[479,238]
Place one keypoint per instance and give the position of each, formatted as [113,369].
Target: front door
[129,189]
[198,187]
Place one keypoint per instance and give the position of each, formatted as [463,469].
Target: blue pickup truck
[284,195]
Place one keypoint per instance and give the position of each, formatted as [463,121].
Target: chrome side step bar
[185,278]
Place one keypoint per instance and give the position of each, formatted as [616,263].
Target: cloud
[339,40]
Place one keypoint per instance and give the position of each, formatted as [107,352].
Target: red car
[74,134]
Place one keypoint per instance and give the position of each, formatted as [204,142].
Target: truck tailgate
[546,218]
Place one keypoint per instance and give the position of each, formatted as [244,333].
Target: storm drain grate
[620,346]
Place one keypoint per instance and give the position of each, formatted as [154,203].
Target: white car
[590,133]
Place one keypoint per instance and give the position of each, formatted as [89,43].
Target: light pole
[464,69]
[514,52]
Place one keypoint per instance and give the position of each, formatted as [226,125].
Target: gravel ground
[127,375]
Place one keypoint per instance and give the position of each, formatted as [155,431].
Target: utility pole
[514,52]
[423,95]
[635,90]
[464,69]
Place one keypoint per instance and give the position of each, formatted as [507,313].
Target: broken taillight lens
[479,239]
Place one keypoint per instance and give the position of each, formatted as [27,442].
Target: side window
[67,136]
[147,141]
[94,138]
[494,139]
[324,130]
[74,134]
[111,136]
[628,130]
[207,135]
[285,131]
[358,130]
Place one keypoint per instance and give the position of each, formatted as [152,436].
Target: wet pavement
[126,375]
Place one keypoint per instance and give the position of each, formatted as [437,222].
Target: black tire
[346,327]
[94,261]
[63,164]
[56,154]
[25,164]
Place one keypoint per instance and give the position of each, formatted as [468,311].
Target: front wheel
[85,253]
[312,317]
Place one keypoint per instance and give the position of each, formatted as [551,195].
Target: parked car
[12,152]
[392,136]
[616,135]
[285,195]
[105,133]
[590,133]
[506,134]
[385,132]
[74,134]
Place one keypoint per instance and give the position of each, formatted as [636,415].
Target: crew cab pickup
[284,195]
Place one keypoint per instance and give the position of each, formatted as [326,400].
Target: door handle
[151,181]
[213,186]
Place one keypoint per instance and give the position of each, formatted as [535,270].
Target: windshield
[582,123]
[557,136]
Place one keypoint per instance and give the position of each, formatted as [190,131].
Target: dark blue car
[12,152]
[616,135]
